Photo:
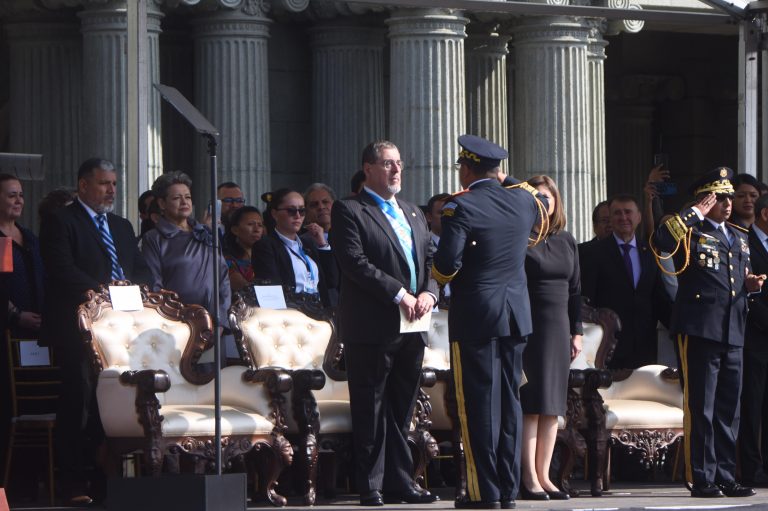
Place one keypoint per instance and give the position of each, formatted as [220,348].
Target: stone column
[630,148]
[44,109]
[232,91]
[551,133]
[105,97]
[347,99]
[596,111]
[427,105]
[176,64]
[486,70]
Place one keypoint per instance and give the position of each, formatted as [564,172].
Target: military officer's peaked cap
[717,181]
[480,151]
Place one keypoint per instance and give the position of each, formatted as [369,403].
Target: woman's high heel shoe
[558,495]
[526,494]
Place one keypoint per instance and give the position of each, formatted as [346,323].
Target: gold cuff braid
[441,278]
[676,227]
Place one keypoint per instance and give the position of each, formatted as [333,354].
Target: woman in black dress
[554,287]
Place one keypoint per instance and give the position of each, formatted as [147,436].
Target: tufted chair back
[593,337]
[437,355]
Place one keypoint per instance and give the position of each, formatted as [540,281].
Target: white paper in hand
[270,297]
[420,325]
[125,298]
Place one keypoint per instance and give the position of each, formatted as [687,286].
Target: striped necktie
[405,236]
[117,271]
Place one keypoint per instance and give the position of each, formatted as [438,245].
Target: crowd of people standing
[498,252]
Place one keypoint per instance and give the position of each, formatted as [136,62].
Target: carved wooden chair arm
[147,380]
[276,379]
[308,379]
[428,377]
[576,378]
[443,374]
[598,378]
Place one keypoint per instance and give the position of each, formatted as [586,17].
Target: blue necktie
[404,235]
[117,271]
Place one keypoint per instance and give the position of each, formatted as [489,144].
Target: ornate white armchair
[297,345]
[153,397]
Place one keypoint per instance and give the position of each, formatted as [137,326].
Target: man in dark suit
[485,234]
[601,225]
[83,246]
[708,319]
[384,252]
[753,450]
[621,274]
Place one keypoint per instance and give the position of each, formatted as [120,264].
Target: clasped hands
[414,307]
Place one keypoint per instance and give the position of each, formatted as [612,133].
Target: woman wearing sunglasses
[298,263]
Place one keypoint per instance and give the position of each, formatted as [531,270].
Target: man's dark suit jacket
[606,283]
[757,318]
[271,261]
[76,260]
[374,268]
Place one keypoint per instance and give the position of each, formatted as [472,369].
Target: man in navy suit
[83,246]
[485,235]
[384,252]
[620,274]
[753,447]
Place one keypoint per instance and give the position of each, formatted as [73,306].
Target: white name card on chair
[270,297]
[31,354]
[125,298]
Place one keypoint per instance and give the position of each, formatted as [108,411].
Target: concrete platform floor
[623,496]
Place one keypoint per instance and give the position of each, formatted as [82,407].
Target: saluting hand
[706,203]
[754,283]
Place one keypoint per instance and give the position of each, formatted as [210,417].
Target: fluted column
[631,148]
[551,133]
[596,111]
[44,107]
[104,28]
[427,97]
[232,91]
[486,71]
[347,99]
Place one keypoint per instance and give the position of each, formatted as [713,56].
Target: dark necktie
[626,247]
[117,271]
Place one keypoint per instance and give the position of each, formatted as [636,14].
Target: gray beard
[393,189]
[105,209]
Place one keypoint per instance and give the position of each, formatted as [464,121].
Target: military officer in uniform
[486,230]
[708,318]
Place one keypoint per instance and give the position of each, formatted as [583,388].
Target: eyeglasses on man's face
[233,200]
[723,196]
[293,211]
[388,164]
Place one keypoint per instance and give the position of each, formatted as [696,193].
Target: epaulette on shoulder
[462,192]
[525,186]
[738,227]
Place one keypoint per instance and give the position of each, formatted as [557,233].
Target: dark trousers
[383,384]
[754,418]
[712,388]
[487,377]
[78,427]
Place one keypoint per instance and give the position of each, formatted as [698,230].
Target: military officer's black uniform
[486,231]
[708,320]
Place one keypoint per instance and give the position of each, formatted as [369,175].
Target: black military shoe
[476,504]
[410,496]
[371,498]
[706,491]
[507,504]
[734,489]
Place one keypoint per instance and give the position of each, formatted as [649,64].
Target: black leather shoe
[527,494]
[507,504]
[706,491]
[734,489]
[476,504]
[411,496]
[371,498]
[557,495]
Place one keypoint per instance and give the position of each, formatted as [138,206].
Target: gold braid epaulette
[682,234]
[543,229]
[738,227]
